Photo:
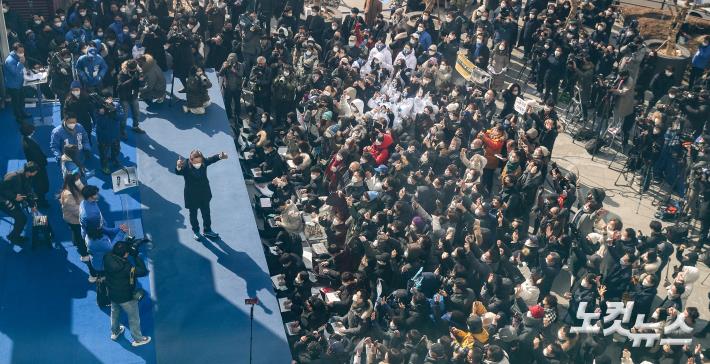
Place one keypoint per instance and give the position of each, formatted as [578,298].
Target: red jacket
[380,152]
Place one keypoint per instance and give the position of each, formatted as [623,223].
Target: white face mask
[585,284]
[71,126]
[197,165]
[669,73]
[58,25]
[111,42]
[557,54]
[76,93]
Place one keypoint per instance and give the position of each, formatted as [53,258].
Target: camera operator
[60,74]
[121,278]
[251,36]
[231,79]
[180,47]
[260,80]
[697,109]
[129,80]
[108,131]
[15,190]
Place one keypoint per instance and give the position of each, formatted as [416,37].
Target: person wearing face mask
[509,95]
[584,291]
[78,104]
[551,70]
[700,61]
[197,190]
[424,36]
[91,69]
[13,72]
[69,132]
[154,85]
[479,52]
[498,65]
[530,28]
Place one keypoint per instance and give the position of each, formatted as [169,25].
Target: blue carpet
[196,311]
[48,311]
[200,287]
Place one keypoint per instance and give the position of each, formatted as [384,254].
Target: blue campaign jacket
[91,68]
[13,71]
[104,239]
[62,136]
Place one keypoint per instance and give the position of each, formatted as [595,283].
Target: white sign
[124,178]
[521,105]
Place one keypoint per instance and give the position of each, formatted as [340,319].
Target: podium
[123,179]
[36,79]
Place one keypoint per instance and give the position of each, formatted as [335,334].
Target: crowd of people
[444,221]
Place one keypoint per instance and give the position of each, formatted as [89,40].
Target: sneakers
[160,100]
[196,235]
[85,258]
[185,109]
[146,339]
[210,234]
[115,336]
[93,279]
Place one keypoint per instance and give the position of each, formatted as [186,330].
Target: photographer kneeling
[121,278]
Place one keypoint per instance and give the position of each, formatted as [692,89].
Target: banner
[464,67]
[469,72]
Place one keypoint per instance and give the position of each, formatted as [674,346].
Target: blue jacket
[91,68]
[13,71]
[75,38]
[118,30]
[102,238]
[62,136]
[425,39]
[108,126]
[701,59]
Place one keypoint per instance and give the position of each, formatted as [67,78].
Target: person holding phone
[197,189]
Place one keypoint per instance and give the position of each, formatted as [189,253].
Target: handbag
[102,298]
[138,292]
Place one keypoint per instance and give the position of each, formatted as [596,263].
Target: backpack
[593,146]
[584,134]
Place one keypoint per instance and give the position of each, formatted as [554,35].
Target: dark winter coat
[197,185]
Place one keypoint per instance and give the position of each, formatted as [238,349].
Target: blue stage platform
[48,312]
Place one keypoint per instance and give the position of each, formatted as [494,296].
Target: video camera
[134,244]
[99,101]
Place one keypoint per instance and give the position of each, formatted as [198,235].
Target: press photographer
[123,291]
[15,195]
